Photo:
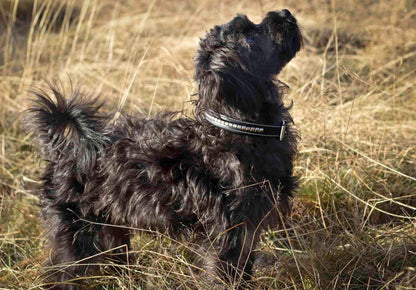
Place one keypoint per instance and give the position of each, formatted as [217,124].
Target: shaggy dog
[219,178]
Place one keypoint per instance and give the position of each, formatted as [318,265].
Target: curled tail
[67,128]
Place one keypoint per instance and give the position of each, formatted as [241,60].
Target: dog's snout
[276,18]
[285,13]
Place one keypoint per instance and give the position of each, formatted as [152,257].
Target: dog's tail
[73,127]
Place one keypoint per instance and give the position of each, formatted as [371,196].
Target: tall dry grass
[353,224]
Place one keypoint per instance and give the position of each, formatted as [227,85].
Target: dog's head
[237,59]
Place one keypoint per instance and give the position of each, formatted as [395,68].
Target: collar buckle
[282,130]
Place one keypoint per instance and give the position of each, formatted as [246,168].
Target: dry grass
[353,87]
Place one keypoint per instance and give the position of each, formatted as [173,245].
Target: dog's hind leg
[78,244]
[71,243]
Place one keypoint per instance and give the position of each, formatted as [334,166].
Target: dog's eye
[250,39]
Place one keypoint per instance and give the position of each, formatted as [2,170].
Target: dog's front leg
[230,259]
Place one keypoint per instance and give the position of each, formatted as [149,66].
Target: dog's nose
[278,17]
[285,13]
[277,20]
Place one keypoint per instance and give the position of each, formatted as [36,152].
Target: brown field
[353,224]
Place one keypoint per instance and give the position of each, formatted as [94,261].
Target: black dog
[221,177]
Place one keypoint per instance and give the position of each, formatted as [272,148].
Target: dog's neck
[251,99]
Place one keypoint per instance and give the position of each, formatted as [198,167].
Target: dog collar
[247,128]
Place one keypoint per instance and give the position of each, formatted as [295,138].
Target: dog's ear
[223,79]
[240,23]
[218,89]
[207,79]
[209,84]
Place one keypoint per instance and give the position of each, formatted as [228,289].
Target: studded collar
[246,128]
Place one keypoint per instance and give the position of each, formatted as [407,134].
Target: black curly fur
[173,174]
